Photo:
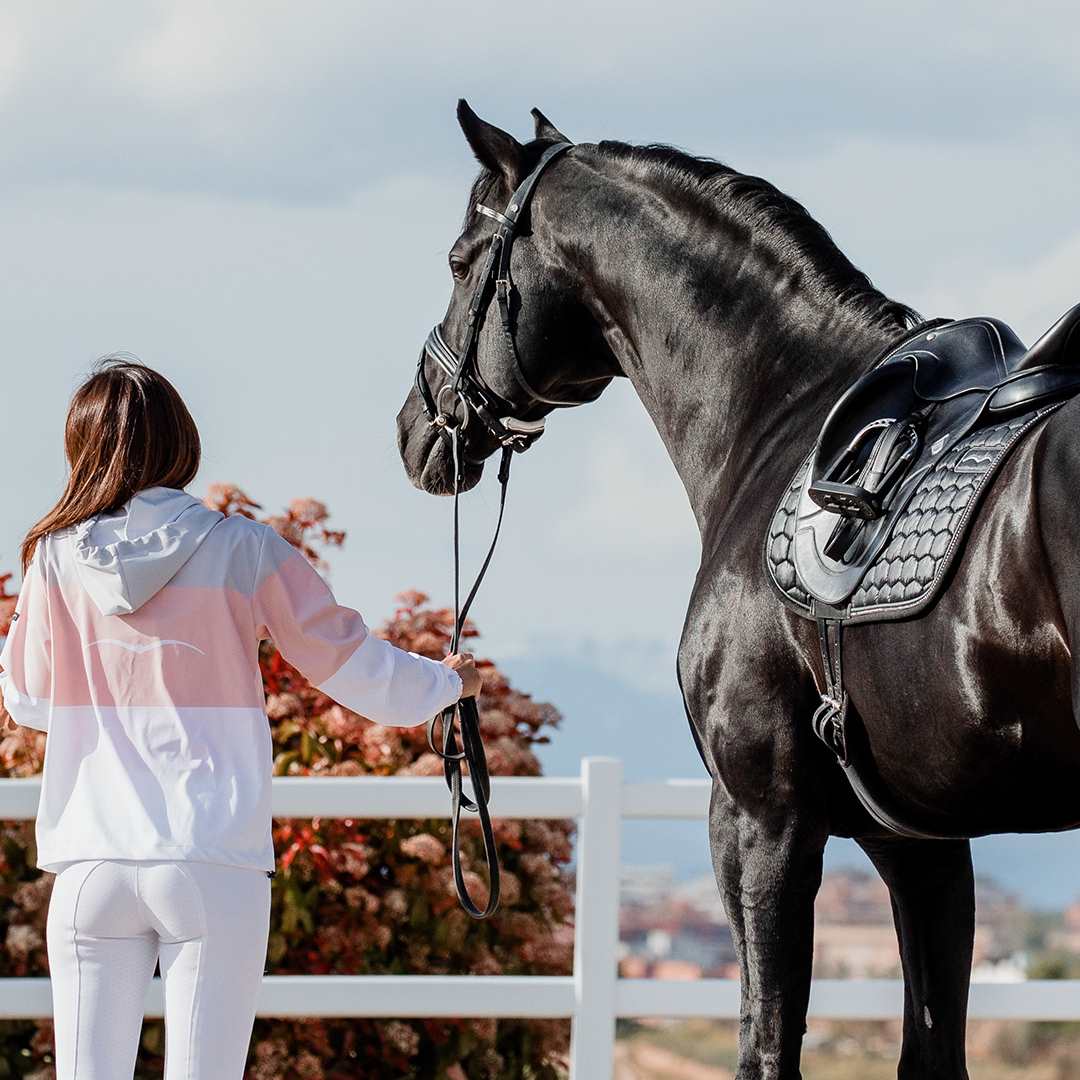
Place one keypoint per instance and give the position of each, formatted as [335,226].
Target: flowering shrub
[354,897]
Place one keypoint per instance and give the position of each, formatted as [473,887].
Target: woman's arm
[336,651]
[26,656]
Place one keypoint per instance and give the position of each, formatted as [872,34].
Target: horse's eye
[459,268]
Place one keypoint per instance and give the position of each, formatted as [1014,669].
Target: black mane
[752,201]
[769,213]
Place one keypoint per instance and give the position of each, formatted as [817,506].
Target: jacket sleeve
[334,649]
[26,656]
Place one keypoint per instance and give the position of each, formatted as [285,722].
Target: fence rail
[593,996]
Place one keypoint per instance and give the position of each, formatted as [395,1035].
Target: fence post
[596,933]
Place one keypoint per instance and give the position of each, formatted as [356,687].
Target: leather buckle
[829,724]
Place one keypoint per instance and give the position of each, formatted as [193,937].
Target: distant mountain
[605,714]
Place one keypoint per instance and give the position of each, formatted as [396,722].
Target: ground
[706,1050]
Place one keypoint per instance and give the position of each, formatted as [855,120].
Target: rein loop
[467,714]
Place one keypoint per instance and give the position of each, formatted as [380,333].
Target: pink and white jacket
[135,646]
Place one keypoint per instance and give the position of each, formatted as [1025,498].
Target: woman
[135,644]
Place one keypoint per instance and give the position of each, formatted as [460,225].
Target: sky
[257,199]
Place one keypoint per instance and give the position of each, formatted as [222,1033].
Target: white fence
[593,997]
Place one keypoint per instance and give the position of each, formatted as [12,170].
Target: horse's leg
[933,900]
[769,870]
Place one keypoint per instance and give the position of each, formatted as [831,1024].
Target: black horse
[739,322]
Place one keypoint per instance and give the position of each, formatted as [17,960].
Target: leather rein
[465,385]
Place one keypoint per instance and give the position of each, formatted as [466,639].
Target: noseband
[465,385]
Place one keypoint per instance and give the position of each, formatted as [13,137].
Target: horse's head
[518,338]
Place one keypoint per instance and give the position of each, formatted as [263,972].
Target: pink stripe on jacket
[135,645]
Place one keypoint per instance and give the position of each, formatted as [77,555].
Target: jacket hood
[126,557]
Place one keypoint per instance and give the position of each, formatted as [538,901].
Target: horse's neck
[736,405]
[736,366]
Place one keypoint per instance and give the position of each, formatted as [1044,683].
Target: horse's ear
[494,148]
[545,129]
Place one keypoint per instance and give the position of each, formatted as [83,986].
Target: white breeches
[109,920]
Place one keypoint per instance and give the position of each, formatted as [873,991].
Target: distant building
[671,929]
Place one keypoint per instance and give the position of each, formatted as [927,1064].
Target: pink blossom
[497,724]
[429,643]
[428,764]
[308,511]
[339,723]
[425,847]
[308,1066]
[359,898]
[354,858]
[33,895]
[506,757]
[411,598]
[346,768]
[381,745]
[485,1028]
[484,963]
[282,706]
[551,954]
[510,888]
[396,903]
[22,941]
[402,1037]
[537,865]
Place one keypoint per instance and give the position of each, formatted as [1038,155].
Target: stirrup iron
[868,470]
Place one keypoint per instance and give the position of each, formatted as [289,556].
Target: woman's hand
[465,666]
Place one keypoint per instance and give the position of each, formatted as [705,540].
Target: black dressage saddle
[869,526]
[893,426]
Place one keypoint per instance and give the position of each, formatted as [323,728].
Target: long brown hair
[127,429]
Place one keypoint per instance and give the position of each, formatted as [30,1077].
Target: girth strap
[830,724]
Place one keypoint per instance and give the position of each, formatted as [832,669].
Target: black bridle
[464,381]
[465,385]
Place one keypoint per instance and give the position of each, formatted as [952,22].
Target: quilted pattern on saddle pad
[778,546]
[905,576]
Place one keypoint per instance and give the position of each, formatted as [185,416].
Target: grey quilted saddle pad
[908,573]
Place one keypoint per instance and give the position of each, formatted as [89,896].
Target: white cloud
[307,104]
[626,504]
[12,53]
[1034,291]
